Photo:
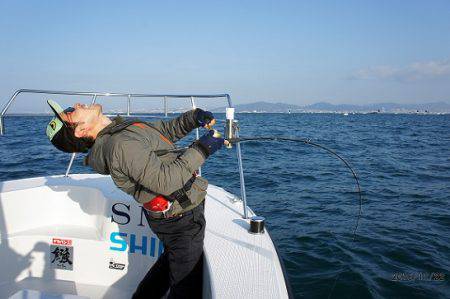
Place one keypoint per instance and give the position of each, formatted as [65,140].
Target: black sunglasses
[69,109]
[69,125]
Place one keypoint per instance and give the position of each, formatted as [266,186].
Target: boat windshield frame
[130,96]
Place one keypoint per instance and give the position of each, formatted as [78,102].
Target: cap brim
[56,123]
[57,109]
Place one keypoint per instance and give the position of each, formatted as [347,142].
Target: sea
[309,199]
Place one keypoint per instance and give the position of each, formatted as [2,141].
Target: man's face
[83,118]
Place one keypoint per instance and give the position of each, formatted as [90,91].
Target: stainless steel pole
[197,133]
[241,167]
[128,105]
[165,106]
[70,164]
[1,125]
[94,98]
[2,128]
[241,176]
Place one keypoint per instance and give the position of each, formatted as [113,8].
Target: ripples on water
[309,200]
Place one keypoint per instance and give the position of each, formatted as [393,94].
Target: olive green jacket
[128,156]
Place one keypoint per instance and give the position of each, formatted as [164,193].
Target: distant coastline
[322,107]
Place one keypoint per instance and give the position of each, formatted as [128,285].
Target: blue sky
[297,52]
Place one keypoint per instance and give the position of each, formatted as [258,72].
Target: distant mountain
[267,107]
[324,106]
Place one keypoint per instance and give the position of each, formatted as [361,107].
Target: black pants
[180,267]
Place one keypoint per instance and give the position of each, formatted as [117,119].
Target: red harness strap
[143,126]
[140,125]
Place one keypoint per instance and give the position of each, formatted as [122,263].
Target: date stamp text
[418,276]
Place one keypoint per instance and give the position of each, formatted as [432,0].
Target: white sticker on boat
[116,266]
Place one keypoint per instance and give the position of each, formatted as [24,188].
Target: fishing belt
[180,196]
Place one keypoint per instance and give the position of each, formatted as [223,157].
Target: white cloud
[413,72]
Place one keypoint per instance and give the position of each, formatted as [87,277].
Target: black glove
[208,144]
[202,117]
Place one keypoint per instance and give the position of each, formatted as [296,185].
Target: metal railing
[129,97]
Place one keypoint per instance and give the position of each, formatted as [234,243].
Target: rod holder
[230,129]
[256,225]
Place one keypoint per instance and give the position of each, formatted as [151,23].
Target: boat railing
[129,97]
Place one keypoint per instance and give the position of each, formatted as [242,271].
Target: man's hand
[209,144]
[204,118]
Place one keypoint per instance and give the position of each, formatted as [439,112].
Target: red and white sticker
[65,242]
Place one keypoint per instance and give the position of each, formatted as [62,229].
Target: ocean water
[402,246]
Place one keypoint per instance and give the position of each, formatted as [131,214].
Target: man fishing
[167,185]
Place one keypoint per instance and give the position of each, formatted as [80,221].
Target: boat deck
[237,264]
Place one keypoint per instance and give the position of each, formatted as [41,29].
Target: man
[167,185]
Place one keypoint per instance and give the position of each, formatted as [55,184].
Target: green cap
[63,136]
[56,124]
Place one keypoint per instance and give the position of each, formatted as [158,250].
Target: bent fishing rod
[235,140]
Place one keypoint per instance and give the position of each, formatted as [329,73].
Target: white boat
[78,236]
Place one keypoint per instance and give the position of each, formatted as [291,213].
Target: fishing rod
[234,140]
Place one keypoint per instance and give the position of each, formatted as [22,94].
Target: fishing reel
[231,128]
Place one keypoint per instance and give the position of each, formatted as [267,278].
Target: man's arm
[179,127]
[135,159]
